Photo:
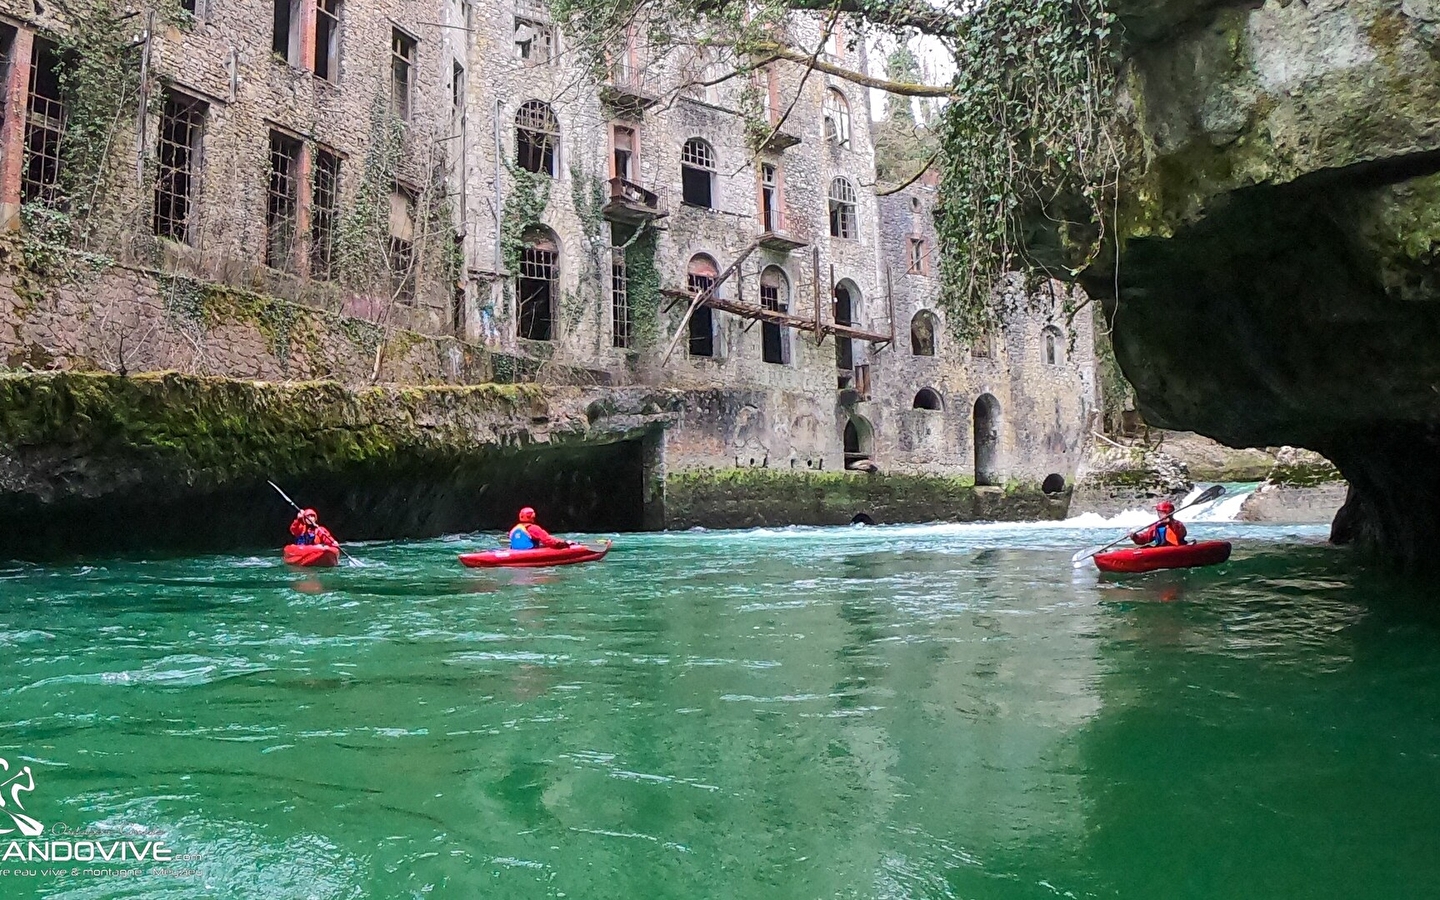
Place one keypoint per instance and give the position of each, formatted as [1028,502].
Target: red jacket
[322,534]
[540,536]
[1174,533]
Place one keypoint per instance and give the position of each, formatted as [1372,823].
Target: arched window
[774,295]
[697,174]
[927,398]
[536,286]
[537,137]
[846,308]
[922,334]
[859,442]
[700,276]
[1053,346]
[837,118]
[842,209]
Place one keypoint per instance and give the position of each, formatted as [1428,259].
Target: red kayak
[312,555]
[1148,559]
[530,559]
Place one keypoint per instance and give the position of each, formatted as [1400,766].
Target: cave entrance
[987,440]
[584,488]
[859,441]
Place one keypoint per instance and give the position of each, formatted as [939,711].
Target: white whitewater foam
[1224,509]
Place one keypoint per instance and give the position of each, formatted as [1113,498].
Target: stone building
[445,191]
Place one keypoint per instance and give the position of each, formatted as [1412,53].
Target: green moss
[1305,475]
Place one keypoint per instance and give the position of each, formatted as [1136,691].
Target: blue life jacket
[304,539]
[520,539]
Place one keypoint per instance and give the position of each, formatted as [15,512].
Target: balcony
[628,92]
[631,204]
[780,241]
[779,141]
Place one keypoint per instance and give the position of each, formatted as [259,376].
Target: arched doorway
[844,313]
[859,443]
[987,440]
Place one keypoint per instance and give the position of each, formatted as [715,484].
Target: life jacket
[1165,536]
[520,538]
[304,539]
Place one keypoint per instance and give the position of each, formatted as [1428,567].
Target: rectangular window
[402,72]
[457,88]
[624,155]
[537,293]
[402,245]
[188,6]
[769,198]
[917,256]
[285,39]
[327,39]
[182,119]
[772,336]
[695,187]
[702,323]
[44,128]
[621,326]
[324,213]
[534,42]
[282,202]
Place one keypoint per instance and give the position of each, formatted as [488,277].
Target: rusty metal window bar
[327,39]
[44,129]
[402,69]
[282,202]
[622,325]
[324,213]
[182,120]
[537,290]
[842,209]
[537,134]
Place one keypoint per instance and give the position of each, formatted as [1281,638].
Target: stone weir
[1279,259]
[104,462]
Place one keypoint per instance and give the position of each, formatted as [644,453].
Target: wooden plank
[695,303]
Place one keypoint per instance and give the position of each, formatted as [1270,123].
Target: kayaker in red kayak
[1168,532]
[527,535]
[306,530]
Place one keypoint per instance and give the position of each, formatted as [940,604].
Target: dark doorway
[857,443]
[536,289]
[774,295]
[844,315]
[987,440]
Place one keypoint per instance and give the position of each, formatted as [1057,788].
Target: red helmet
[306,515]
[1165,507]
[527,515]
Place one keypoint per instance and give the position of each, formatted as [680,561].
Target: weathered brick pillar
[304,181]
[12,133]
[307,35]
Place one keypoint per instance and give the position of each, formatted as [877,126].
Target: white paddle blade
[1083,557]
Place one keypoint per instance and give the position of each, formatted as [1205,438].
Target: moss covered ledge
[748,498]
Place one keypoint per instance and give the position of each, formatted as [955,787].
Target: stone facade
[440,191]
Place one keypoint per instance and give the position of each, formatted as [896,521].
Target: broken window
[922,334]
[842,209]
[188,5]
[285,39]
[770,220]
[536,286]
[534,42]
[457,89]
[537,135]
[1052,339]
[324,213]
[700,277]
[44,128]
[837,118]
[917,256]
[844,311]
[282,201]
[181,121]
[697,174]
[327,39]
[774,295]
[402,244]
[621,325]
[402,72]
[624,154]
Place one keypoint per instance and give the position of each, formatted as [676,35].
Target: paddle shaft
[297,509]
[1211,493]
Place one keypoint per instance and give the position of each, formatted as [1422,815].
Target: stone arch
[923,328]
[928,398]
[859,442]
[1052,346]
[986,423]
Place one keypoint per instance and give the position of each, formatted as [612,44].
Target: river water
[937,711]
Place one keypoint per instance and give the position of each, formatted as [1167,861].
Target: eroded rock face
[1279,268]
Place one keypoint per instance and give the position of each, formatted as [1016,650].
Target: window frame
[844,213]
[189,106]
[402,72]
[698,162]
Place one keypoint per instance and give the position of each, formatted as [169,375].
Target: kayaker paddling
[1167,532]
[306,530]
[528,535]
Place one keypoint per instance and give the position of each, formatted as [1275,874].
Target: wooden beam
[705,294]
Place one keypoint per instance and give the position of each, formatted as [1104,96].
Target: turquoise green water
[893,712]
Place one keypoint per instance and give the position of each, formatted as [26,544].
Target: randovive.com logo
[12,787]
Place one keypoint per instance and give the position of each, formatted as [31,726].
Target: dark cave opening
[591,488]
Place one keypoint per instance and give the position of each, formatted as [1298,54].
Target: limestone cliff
[1279,263]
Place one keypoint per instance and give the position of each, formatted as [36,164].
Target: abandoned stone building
[445,191]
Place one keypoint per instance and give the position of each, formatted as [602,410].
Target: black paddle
[1210,493]
[286,496]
